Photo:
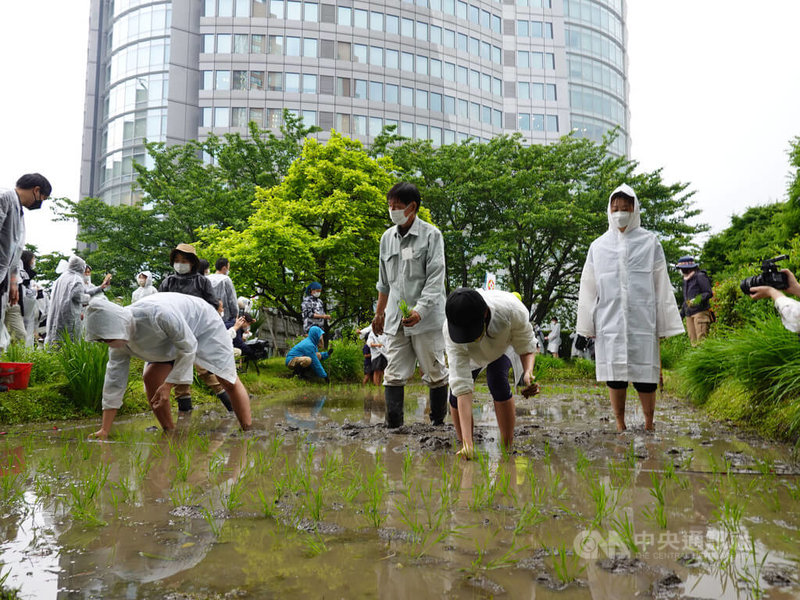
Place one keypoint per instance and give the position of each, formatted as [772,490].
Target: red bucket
[15,375]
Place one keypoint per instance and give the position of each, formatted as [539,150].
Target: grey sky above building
[444,70]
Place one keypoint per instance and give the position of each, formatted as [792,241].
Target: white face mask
[87,279]
[182,268]
[398,216]
[621,218]
[316,294]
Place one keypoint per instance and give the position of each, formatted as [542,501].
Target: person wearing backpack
[697,294]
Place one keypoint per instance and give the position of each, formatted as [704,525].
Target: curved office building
[443,70]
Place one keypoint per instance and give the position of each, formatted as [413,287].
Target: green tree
[189,186]
[530,212]
[322,223]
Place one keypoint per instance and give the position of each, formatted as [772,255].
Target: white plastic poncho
[509,333]
[66,302]
[225,293]
[160,328]
[148,289]
[626,301]
[554,338]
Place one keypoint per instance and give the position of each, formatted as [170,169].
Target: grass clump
[84,364]
[346,362]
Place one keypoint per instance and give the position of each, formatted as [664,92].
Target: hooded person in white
[144,286]
[554,337]
[626,303]
[171,332]
[66,302]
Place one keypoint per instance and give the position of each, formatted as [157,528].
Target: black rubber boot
[226,400]
[394,405]
[185,404]
[438,398]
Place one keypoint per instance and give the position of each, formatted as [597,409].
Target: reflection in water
[323,498]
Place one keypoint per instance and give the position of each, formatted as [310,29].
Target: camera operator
[788,308]
[696,295]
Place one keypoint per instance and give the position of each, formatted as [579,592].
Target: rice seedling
[604,501]
[750,572]
[408,461]
[10,491]
[728,514]
[216,463]
[625,534]
[530,516]
[657,513]
[315,503]
[547,458]
[84,497]
[314,544]
[581,463]
[793,490]
[375,490]
[182,495]
[214,523]
[267,504]
[506,559]
[566,565]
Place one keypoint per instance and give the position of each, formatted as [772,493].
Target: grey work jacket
[411,268]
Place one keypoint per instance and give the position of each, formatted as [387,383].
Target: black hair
[32,180]
[406,193]
[202,266]
[27,257]
[221,263]
[624,196]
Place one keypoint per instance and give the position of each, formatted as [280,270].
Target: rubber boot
[394,405]
[185,403]
[226,400]
[438,398]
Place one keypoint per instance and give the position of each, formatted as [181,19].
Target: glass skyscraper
[443,70]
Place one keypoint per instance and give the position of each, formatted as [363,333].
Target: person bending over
[171,332]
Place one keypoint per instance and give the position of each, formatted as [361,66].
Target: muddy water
[320,501]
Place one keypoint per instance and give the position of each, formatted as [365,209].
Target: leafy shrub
[548,368]
[346,362]
[46,365]
[84,364]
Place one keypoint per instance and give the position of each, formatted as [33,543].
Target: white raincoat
[160,328]
[509,333]
[148,289]
[554,338]
[626,301]
[66,302]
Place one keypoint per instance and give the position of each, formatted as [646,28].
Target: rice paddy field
[321,501]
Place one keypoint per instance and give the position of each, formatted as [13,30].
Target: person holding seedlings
[312,308]
[626,303]
[410,309]
[554,337]
[171,332]
[30,191]
[696,296]
[67,300]
[485,329]
[189,279]
[223,289]
[145,287]
[304,357]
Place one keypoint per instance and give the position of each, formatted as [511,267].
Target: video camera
[769,276]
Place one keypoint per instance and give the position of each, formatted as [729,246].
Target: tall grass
[765,359]
[46,366]
[84,364]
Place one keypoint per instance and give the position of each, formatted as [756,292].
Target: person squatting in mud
[171,332]
[410,309]
[626,303]
[486,329]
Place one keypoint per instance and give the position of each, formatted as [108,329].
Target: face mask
[398,217]
[182,268]
[316,294]
[87,279]
[621,218]
[36,205]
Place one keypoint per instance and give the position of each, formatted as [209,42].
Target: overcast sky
[714,92]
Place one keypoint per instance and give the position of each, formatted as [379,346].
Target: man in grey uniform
[411,271]
[31,190]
